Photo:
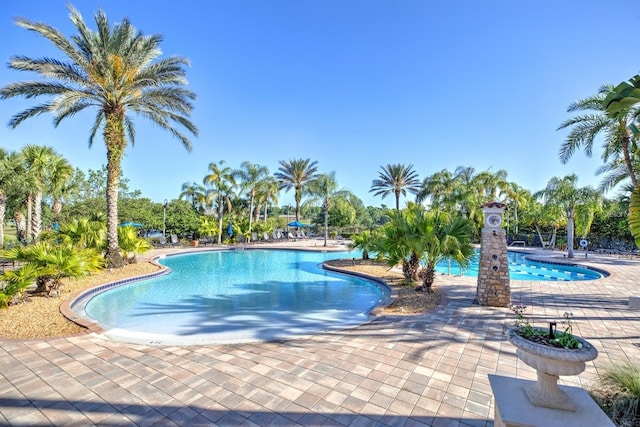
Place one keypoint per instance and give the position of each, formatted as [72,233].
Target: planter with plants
[551,353]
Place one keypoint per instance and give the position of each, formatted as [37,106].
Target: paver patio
[427,370]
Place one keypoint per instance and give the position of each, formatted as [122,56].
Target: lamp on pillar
[164,219]
[493,287]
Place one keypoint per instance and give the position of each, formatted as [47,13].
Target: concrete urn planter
[551,362]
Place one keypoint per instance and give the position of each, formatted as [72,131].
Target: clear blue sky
[353,84]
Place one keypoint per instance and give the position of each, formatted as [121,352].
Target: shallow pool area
[523,267]
[234,296]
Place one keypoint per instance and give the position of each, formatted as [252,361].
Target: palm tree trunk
[3,207]
[115,141]
[21,226]
[27,235]
[627,160]
[36,217]
[326,222]
[428,277]
[570,232]
[250,213]
[220,213]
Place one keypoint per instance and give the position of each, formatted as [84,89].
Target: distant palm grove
[117,72]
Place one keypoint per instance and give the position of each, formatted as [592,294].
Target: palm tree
[268,192]
[396,179]
[295,174]
[619,141]
[323,190]
[439,189]
[222,179]
[11,171]
[563,193]
[113,70]
[38,163]
[252,177]
[193,192]
[441,237]
[60,182]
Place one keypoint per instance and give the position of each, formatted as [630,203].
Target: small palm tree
[132,245]
[56,261]
[397,179]
[114,70]
[296,174]
[365,241]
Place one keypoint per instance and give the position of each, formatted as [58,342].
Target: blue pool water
[240,296]
[521,268]
[235,296]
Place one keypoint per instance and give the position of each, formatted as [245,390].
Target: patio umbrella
[297,224]
[131,224]
[230,229]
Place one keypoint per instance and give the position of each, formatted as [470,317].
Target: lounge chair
[265,237]
[162,242]
[174,240]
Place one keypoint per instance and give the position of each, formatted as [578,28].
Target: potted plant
[551,354]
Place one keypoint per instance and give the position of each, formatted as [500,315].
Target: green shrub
[618,394]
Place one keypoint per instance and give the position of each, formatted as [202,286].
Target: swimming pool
[234,296]
[523,268]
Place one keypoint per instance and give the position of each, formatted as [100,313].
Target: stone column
[493,268]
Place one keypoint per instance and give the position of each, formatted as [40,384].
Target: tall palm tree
[11,172]
[114,70]
[397,179]
[564,193]
[324,190]
[223,180]
[295,174]
[251,177]
[619,141]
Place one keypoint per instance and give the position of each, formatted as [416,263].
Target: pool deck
[421,370]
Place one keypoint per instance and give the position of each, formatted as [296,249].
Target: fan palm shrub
[15,284]
[55,261]
[131,244]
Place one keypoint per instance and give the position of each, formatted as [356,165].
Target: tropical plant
[194,193]
[83,233]
[441,238]
[324,190]
[296,173]
[634,215]
[11,173]
[396,244]
[15,284]
[252,177]
[223,181]
[132,245]
[396,179]
[563,193]
[55,261]
[619,141]
[114,70]
[618,393]
[365,242]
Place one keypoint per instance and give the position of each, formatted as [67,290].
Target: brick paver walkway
[399,371]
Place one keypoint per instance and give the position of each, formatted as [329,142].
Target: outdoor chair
[174,240]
